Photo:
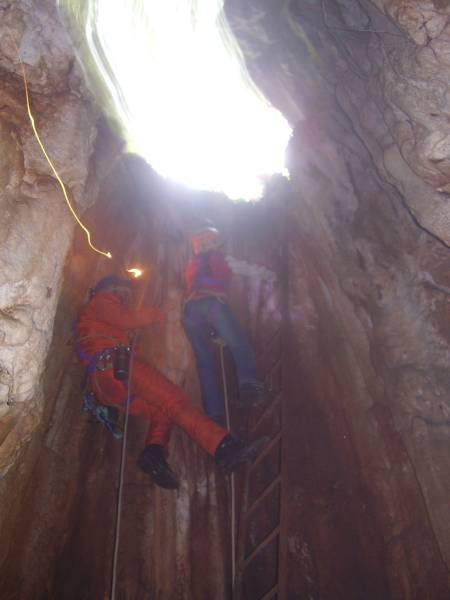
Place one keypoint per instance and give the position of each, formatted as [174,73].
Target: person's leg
[197,329]
[231,332]
[109,391]
[153,459]
[154,392]
[154,388]
[160,426]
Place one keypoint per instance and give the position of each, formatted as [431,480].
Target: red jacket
[207,272]
[105,322]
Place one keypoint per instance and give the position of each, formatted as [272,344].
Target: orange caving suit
[104,323]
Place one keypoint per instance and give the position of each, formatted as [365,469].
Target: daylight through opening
[183,95]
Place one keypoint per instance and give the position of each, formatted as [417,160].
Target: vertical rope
[122,457]
[232,483]
[120,488]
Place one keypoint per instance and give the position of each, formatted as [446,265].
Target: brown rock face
[366,466]
[350,499]
[35,226]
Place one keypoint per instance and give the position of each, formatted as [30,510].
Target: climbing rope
[121,477]
[49,161]
[232,482]
[133,343]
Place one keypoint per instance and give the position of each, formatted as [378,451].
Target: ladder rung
[271,594]
[268,345]
[275,402]
[264,494]
[266,451]
[266,541]
[275,365]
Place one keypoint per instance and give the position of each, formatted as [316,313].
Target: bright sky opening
[184,97]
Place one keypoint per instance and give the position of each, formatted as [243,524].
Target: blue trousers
[199,317]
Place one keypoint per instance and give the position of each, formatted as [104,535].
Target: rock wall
[384,63]
[359,235]
[36,227]
[71,467]
[369,353]
[365,458]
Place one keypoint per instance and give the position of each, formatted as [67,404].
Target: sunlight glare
[184,96]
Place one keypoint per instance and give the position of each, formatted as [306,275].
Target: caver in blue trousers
[200,316]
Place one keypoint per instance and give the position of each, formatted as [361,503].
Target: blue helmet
[110,281]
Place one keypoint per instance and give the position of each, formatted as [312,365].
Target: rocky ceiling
[384,65]
[359,240]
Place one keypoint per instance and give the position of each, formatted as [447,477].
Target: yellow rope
[55,172]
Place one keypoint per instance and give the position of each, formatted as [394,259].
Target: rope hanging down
[232,482]
[122,471]
[121,478]
[55,172]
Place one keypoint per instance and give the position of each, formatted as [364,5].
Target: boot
[255,394]
[233,452]
[152,460]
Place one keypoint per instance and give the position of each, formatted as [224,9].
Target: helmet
[111,281]
[204,239]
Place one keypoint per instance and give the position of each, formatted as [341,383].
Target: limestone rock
[35,224]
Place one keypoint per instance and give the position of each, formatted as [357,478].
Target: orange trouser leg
[151,385]
[111,391]
[160,424]
[154,390]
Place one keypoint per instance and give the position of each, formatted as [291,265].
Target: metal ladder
[258,492]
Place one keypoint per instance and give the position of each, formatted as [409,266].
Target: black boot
[254,394]
[153,461]
[232,452]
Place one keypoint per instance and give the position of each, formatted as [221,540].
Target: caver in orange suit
[105,322]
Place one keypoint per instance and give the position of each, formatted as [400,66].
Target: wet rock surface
[35,224]
[386,66]
[71,467]
[366,456]
[369,357]
[357,237]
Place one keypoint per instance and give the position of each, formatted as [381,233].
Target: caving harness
[116,358]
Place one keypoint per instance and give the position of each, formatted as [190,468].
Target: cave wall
[382,64]
[365,458]
[71,467]
[367,461]
[58,470]
[366,413]
[36,227]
